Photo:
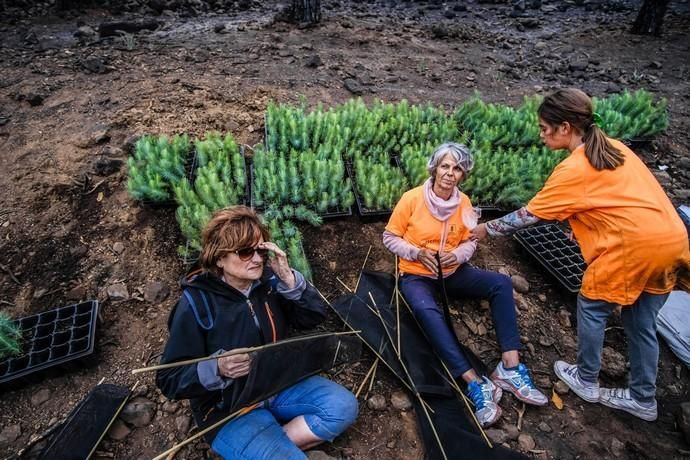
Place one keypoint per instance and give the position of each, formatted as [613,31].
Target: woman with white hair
[436,218]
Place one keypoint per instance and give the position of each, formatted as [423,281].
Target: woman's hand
[279,263]
[448,259]
[428,259]
[234,366]
[479,232]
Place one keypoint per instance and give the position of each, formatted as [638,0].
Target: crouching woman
[244,298]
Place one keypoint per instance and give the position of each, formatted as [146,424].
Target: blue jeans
[639,323]
[327,407]
[466,282]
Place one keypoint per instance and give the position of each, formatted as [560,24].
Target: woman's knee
[339,409]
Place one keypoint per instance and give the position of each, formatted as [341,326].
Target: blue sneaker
[485,397]
[519,382]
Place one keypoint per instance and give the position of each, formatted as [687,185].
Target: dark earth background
[72,100]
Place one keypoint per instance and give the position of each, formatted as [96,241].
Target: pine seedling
[10,336]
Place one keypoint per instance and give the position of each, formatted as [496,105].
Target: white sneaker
[619,398]
[569,374]
[485,397]
[519,382]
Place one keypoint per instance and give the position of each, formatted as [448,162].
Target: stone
[496,436]
[118,430]
[118,247]
[40,397]
[183,423]
[353,86]
[156,292]
[485,304]
[682,194]
[542,297]
[545,427]
[520,284]
[34,99]
[318,455]
[117,291]
[93,135]
[170,407]
[684,420]
[663,177]
[76,293]
[219,28]
[10,434]
[617,447]
[104,166]
[512,432]
[401,401]
[377,402]
[85,32]
[578,66]
[613,363]
[526,442]
[130,142]
[313,61]
[564,318]
[561,388]
[543,381]
[94,64]
[138,412]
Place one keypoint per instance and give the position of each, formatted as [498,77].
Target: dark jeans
[466,282]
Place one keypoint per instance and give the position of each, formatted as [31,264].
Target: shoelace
[526,379]
[620,393]
[476,395]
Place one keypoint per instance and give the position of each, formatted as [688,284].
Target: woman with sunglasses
[247,295]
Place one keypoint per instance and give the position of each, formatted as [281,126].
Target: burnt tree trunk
[650,18]
[306,11]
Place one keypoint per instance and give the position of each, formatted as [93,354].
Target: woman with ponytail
[634,243]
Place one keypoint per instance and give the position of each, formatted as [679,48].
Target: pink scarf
[440,208]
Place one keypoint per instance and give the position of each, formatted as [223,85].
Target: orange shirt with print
[630,235]
[412,220]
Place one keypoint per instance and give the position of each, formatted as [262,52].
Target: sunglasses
[247,253]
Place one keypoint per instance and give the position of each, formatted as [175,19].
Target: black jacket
[211,316]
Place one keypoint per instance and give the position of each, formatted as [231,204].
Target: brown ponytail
[575,107]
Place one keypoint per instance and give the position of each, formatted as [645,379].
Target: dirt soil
[71,102]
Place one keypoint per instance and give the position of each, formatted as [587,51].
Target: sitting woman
[240,300]
[429,219]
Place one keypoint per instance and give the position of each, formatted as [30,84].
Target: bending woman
[632,239]
[429,219]
[240,300]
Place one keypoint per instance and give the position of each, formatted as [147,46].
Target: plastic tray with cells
[55,340]
[552,247]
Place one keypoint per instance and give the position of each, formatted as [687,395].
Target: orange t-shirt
[630,235]
[412,220]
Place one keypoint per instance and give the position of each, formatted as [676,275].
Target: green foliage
[498,124]
[380,184]
[220,182]
[288,237]
[509,176]
[156,166]
[10,335]
[632,115]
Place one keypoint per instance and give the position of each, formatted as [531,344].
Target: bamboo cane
[366,377]
[176,447]
[371,380]
[454,384]
[239,351]
[415,391]
[363,265]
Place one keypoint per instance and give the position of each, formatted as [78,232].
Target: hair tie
[597,120]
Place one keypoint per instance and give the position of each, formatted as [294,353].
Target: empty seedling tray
[58,339]
[550,245]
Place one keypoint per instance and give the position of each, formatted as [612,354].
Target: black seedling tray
[87,424]
[330,213]
[366,213]
[556,252]
[190,173]
[55,340]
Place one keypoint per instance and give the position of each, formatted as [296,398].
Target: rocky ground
[75,89]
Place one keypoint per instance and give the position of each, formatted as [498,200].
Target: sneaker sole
[499,412]
[580,394]
[511,389]
[646,418]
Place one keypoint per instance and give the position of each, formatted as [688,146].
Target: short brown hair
[228,230]
[575,107]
